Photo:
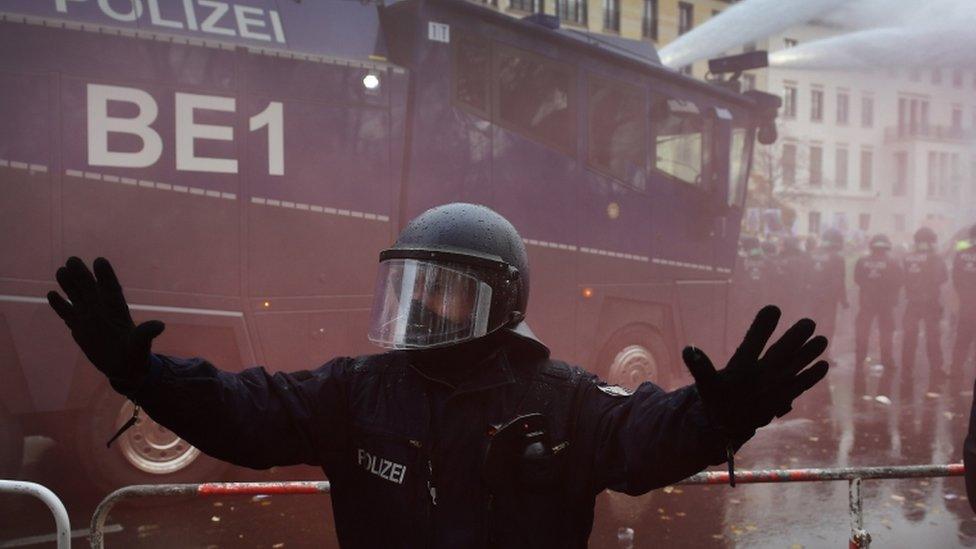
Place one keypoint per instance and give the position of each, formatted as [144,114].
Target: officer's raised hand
[751,390]
[100,322]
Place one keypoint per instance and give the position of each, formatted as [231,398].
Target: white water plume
[948,45]
[744,22]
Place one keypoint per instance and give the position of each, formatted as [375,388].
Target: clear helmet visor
[421,304]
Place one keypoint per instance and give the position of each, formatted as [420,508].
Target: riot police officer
[748,283]
[465,433]
[828,285]
[791,279]
[925,273]
[964,282]
[879,278]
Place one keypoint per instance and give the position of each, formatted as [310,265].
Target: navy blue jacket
[404,450]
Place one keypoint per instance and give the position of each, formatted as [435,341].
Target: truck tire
[11,445]
[147,453]
[635,354]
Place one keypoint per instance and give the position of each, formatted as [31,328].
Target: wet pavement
[831,427]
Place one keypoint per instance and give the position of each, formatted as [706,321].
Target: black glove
[750,391]
[100,322]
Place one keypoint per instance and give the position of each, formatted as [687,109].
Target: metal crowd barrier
[860,538]
[53,503]
[97,537]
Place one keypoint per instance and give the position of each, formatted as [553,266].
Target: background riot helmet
[791,244]
[833,239]
[457,272]
[750,245]
[925,239]
[880,243]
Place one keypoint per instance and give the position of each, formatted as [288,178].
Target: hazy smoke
[946,46]
[891,33]
[744,22]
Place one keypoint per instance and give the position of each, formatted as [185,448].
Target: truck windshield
[740,159]
[679,138]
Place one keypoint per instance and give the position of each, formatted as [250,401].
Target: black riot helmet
[457,272]
[833,239]
[750,246]
[880,243]
[925,239]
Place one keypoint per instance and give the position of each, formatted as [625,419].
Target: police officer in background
[925,273]
[879,279]
[465,433]
[791,279]
[828,285]
[964,282]
[748,284]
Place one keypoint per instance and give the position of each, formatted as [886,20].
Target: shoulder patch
[614,390]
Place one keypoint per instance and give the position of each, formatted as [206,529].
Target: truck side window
[471,73]
[679,139]
[617,130]
[536,97]
[740,158]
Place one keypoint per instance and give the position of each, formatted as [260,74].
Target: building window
[943,174]
[813,222]
[957,119]
[573,11]
[936,76]
[900,187]
[816,105]
[816,165]
[843,108]
[790,42]
[649,20]
[864,222]
[611,15]
[840,168]
[867,169]
[686,17]
[956,78]
[788,164]
[523,5]
[867,112]
[913,116]
[932,172]
[789,100]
